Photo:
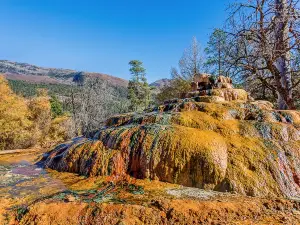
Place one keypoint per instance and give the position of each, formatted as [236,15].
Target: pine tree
[56,107]
[138,88]
[216,52]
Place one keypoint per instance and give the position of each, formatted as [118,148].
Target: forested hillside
[28,89]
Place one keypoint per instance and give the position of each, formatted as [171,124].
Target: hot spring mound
[243,147]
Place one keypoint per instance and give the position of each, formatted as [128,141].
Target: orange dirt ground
[161,203]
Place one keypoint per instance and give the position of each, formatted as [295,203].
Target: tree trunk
[284,81]
[219,57]
[74,112]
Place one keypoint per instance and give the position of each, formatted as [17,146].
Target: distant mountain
[161,83]
[25,78]
[36,74]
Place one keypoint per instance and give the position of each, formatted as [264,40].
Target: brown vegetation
[25,123]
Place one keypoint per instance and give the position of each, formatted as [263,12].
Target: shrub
[15,126]
[26,123]
[56,107]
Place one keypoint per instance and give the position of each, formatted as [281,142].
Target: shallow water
[21,178]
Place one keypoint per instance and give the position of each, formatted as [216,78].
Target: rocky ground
[31,195]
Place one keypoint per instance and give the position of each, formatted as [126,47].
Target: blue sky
[103,36]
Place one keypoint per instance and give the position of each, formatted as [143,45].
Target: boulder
[230,94]
[202,78]
[224,82]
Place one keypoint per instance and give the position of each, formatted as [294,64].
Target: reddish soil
[232,210]
[161,203]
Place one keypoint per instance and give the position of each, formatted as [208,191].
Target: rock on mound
[245,147]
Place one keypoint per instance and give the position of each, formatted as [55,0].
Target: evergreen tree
[138,88]
[79,78]
[216,52]
[56,107]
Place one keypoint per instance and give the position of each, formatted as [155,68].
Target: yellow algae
[211,99]
[197,156]
[202,121]
[229,127]
[195,119]
[222,111]
[247,166]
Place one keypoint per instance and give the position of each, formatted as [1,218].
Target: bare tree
[95,103]
[264,45]
[190,64]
